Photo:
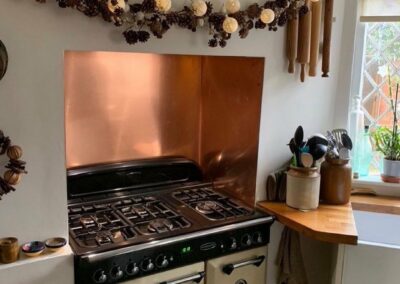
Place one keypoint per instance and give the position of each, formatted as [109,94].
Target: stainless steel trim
[195,278]
[157,243]
[229,268]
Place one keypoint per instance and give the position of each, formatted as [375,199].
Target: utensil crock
[9,250]
[303,186]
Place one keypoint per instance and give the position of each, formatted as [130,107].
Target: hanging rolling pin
[303,48]
[326,53]
[291,42]
[316,8]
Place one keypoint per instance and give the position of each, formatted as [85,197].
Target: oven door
[189,274]
[247,267]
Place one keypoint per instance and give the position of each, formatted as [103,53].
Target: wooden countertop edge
[376,204]
[324,236]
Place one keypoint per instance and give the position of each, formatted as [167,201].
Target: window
[381,56]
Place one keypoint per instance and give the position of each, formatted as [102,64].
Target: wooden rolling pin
[326,53]
[316,8]
[303,46]
[291,42]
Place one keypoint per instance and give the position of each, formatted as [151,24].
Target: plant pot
[336,181]
[391,171]
[302,190]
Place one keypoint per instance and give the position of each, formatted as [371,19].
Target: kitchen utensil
[3,60]
[307,160]
[316,8]
[346,141]
[317,139]
[272,187]
[299,136]
[304,37]
[9,250]
[292,145]
[33,249]
[291,42]
[55,244]
[337,133]
[344,153]
[326,53]
[318,151]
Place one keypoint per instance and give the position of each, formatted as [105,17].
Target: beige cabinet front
[184,275]
[247,267]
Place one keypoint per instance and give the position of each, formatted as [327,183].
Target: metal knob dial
[147,264]
[116,272]
[232,244]
[132,269]
[162,261]
[246,240]
[100,277]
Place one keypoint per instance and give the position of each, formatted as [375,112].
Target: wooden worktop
[377,204]
[329,223]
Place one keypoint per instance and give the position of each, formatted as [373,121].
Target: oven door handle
[193,278]
[229,268]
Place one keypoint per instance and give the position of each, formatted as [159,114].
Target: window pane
[382,55]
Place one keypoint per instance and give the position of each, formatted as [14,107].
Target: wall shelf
[329,223]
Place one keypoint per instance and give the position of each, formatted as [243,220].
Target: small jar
[302,191]
[336,180]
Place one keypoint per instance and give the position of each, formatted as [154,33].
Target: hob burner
[206,207]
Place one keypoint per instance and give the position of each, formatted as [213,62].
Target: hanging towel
[290,260]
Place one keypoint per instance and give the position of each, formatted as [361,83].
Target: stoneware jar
[336,179]
[303,186]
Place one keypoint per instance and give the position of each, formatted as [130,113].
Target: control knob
[99,276]
[162,261]
[147,264]
[132,269]
[246,240]
[116,272]
[257,238]
[232,244]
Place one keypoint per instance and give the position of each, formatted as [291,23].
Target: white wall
[31,104]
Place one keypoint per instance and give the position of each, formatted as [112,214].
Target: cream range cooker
[156,222]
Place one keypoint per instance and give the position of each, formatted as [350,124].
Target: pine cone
[282,20]
[243,33]
[143,36]
[213,43]
[131,37]
[260,25]
[254,11]
[282,3]
[148,6]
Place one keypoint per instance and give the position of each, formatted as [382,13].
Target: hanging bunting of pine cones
[15,167]
[141,20]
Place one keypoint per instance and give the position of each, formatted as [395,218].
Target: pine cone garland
[254,11]
[148,6]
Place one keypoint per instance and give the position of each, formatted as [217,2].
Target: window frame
[371,182]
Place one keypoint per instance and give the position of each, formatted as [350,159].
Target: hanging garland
[155,17]
[15,167]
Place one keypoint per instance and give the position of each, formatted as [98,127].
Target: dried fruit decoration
[15,166]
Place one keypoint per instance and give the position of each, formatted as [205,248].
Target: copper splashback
[127,106]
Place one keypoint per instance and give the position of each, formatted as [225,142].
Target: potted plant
[387,142]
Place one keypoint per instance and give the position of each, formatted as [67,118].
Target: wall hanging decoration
[3,60]
[155,17]
[15,167]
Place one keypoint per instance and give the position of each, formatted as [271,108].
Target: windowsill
[379,187]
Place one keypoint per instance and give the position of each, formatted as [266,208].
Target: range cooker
[158,217]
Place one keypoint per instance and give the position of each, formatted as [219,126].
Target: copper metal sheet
[126,106]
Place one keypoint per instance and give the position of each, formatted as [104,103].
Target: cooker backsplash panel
[128,106]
